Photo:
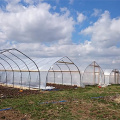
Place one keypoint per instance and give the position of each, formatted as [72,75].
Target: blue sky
[85,29]
[87,8]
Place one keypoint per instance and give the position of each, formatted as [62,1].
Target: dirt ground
[13,115]
[10,92]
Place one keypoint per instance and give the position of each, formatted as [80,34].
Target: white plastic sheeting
[17,69]
[114,77]
[107,76]
[93,75]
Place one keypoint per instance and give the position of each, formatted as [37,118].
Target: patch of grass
[79,104]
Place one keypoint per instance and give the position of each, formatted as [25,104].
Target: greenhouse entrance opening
[64,72]
[93,75]
[114,77]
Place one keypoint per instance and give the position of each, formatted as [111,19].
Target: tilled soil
[9,92]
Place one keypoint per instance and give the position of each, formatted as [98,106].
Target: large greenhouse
[17,69]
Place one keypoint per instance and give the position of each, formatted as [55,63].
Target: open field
[90,103]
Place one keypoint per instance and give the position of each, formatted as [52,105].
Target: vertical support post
[25,65]
[115,76]
[78,71]
[61,72]
[94,73]
[99,75]
[54,75]
[69,71]
[118,78]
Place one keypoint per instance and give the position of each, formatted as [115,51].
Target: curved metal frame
[76,67]
[25,65]
[5,72]
[33,62]
[69,71]
[62,71]
[47,74]
[54,73]
[16,64]
[8,50]
[10,67]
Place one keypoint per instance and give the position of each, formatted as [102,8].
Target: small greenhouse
[17,69]
[114,77]
[93,75]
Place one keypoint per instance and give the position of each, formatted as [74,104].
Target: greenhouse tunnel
[65,72]
[114,77]
[17,69]
[93,75]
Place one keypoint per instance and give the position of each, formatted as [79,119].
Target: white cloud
[96,12]
[71,2]
[54,7]
[65,11]
[86,53]
[39,33]
[57,1]
[105,32]
[35,24]
[81,17]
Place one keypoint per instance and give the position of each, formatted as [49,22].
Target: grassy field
[90,103]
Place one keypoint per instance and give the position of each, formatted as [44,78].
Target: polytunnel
[93,75]
[114,77]
[107,76]
[17,69]
[65,72]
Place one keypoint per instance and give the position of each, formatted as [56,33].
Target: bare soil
[13,115]
[10,92]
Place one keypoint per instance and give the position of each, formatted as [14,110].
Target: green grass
[80,104]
